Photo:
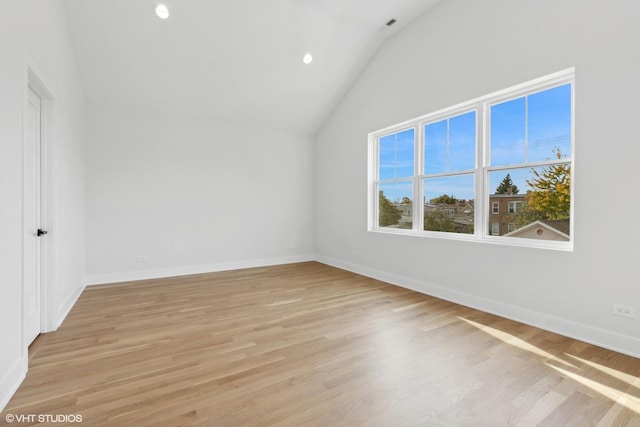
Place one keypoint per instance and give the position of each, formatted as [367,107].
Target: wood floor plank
[310,345]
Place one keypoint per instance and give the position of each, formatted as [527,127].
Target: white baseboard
[589,334]
[11,381]
[66,307]
[128,276]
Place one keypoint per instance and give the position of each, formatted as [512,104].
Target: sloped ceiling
[232,60]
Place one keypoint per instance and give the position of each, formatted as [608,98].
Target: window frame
[483,209]
[374,161]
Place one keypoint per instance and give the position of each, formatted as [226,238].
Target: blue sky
[547,125]
[397,155]
[450,144]
[522,131]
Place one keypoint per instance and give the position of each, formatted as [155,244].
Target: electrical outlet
[623,310]
[141,258]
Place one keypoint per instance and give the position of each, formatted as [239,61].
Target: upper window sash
[395,154]
[449,142]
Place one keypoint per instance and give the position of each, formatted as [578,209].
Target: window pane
[508,132]
[549,123]
[395,205]
[535,201]
[396,155]
[435,147]
[450,144]
[448,204]
[462,142]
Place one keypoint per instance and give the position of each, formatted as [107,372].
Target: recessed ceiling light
[162,11]
[307,58]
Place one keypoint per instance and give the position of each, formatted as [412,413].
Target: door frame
[32,79]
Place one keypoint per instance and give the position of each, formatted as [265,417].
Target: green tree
[447,200]
[387,213]
[550,194]
[438,221]
[406,200]
[506,186]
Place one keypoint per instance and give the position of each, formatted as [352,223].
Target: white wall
[35,33]
[465,49]
[192,195]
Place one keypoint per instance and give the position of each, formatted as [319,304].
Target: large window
[497,168]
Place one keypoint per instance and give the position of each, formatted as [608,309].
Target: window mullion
[526,129]
[418,205]
[481,219]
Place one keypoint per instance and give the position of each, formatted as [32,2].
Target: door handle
[41,232]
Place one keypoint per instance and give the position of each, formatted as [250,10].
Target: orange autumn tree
[550,194]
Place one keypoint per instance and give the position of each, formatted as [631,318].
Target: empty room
[319,212]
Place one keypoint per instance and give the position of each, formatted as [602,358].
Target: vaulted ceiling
[232,60]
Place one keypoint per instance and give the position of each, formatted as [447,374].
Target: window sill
[492,240]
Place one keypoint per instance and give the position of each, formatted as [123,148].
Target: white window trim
[482,107]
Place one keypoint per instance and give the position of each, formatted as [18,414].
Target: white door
[32,256]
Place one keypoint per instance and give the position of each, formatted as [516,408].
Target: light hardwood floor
[310,345]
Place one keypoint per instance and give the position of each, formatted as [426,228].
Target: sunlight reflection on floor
[515,341]
[622,376]
[621,398]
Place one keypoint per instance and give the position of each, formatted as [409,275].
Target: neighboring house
[460,213]
[503,213]
[544,230]
[503,210]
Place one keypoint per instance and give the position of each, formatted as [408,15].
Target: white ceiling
[233,60]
